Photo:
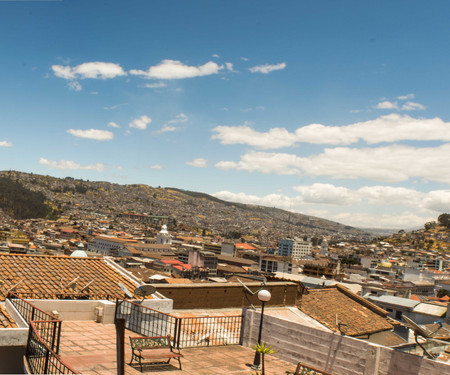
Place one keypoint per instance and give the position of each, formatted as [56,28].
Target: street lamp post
[264,296]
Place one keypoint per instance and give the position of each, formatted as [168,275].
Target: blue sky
[338,109]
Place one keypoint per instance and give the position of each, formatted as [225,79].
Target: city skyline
[331,109]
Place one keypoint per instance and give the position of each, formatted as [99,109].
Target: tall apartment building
[296,248]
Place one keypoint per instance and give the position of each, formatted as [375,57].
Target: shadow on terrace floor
[90,348]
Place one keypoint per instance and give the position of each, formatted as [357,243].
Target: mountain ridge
[194,210]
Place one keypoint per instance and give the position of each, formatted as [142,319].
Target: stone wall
[333,353]
[226,295]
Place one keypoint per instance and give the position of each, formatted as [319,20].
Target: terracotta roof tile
[5,319]
[331,304]
[48,276]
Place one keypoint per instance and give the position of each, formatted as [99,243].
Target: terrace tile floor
[90,348]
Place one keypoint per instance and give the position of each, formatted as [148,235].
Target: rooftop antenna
[126,291]
[73,283]
[248,291]
[86,286]
[13,287]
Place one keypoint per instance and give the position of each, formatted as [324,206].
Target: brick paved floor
[90,348]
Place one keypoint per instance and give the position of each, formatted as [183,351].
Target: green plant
[263,349]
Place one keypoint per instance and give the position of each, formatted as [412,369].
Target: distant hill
[191,210]
[21,203]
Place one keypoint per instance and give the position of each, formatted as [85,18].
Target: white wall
[330,352]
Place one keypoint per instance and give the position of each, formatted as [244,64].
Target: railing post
[58,338]
[179,332]
[120,345]
[175,332]
[54,336]
[47,355]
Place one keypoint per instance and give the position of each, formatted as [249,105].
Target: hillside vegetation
[20,202]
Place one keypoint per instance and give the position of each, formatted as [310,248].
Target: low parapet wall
[226,295]
[333,353]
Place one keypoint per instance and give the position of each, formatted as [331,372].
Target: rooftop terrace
[90,348]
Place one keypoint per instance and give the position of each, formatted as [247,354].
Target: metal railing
[41,358]
[71,296]
[44,337]
[184,331]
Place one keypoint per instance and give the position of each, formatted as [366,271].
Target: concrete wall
[226,295]
[339,355]
[87,309]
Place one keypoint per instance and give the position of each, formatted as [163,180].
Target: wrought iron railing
[184,331]
[41,358]
[43,338]
[209,330]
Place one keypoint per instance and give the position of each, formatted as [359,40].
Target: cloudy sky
[338,109]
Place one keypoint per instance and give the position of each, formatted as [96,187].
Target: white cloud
[412,106]
[327,194]
[405,97]
[402,220]
[229,66]
[284,164]
[244,58]
[179,119]
[71,165]
[317,194]
[95,70]
[157,85]
[437,200]
[5,144]
[167,129]
[265,69]
[156,166]
[387,164]
[140,123]
[389,128]
[113,125]
[168,126]
[95,134]
[386,105]
[115,106]
[173,69]
[216,56]
[198,163]
[271,200]
[74,86]
[243,134]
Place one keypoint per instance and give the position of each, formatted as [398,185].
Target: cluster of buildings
[359,290]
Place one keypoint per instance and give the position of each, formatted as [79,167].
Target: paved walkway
[90,348]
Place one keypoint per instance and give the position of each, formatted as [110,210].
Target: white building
[301,248]
[164,237]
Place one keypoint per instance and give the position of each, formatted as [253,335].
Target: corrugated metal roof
[399,301]
[429,309]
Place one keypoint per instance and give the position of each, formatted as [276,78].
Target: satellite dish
[144,290]
[418,330]
[125,290]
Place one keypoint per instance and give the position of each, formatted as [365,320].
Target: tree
[444,220]
[430,225]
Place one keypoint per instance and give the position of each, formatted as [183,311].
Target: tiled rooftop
[330,305]
[46,276]
[6,321]
[90,348]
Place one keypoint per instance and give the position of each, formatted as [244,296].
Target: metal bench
[153,350]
